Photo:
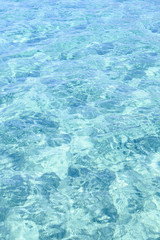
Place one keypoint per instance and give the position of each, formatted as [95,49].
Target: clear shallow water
[80,121]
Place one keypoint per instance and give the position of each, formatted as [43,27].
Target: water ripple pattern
[79,120]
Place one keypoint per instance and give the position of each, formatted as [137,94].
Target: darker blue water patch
[36,40]
[148,143]
[3,213]
[18,160]
[110,212]
[135,205]
[94,194]
[51,232]
[135,73]
[58,140]
[45,121]
[106,232]
[106,176]
[14,124]
[73,172]
[143,145]
[155,27]
[93,181]
[14,191]
[153,238]
[48,123]
[7,98]
[104,48]
[77,101]
[50,179]
[100,48]
[48,182]
[21,76]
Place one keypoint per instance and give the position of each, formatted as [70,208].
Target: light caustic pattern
[79,120]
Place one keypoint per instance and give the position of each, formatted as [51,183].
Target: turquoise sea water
[79,120]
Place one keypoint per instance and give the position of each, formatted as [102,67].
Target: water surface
[79,120]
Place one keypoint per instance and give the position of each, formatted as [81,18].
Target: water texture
[79,120]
